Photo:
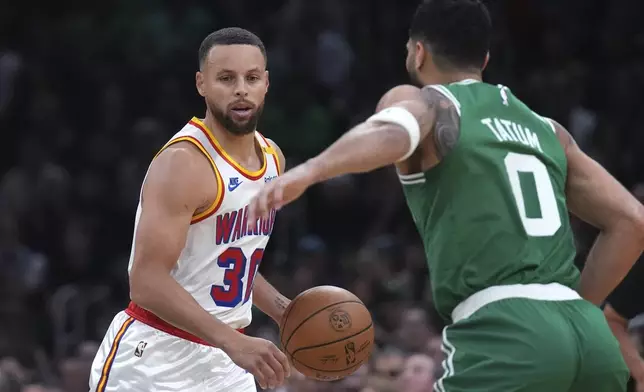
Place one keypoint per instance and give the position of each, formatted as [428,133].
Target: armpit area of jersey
[628,298]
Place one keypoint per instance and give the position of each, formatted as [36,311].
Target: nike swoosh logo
[232,187]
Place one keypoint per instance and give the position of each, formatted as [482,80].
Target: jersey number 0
[549,220]
[233,292]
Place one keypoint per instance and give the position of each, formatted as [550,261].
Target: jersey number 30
[233,292]
[547,221]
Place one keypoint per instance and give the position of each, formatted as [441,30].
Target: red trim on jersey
[256,175]
[146,317]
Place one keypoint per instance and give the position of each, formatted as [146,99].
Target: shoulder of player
[411,98]
[436,113]
[401,95]
[428,105]
[179,174]
[183,157]
[565,138]
[280,154]
[447,120]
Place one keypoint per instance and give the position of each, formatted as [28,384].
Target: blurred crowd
[88,94]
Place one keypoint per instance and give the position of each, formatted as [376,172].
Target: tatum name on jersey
[493,212]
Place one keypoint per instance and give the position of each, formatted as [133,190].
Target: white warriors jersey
[223,249]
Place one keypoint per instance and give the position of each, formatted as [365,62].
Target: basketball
[327,333]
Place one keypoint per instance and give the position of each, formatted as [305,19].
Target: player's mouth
[242,110]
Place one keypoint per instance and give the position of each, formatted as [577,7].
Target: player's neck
[237,146]
[451,77]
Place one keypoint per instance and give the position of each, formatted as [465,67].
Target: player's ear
[267,81]
[419,55]
[487,60]
[199,79]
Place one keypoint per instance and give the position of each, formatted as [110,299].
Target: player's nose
[241,90]
[241,93]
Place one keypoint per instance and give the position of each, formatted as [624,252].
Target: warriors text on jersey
[493,212]
[222,253]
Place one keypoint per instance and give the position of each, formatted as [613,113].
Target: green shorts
[532,345]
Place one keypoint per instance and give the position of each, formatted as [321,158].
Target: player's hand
[280,191]
[261,358]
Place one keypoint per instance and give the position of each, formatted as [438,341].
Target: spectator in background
[415,333]
[435,348]
[386,367]
[88,95]
[622,306]
[39,388]
[418,374]
[22,278]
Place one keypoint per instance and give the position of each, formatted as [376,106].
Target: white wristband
[401,116]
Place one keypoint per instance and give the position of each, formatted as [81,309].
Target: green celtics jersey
[493,211]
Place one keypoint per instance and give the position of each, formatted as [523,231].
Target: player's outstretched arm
[385,138]
[404,118]
[599,199]
[174,189]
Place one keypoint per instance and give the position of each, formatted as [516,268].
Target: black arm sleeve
[628,298]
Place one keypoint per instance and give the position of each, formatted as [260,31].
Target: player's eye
[225,78]
[253,78]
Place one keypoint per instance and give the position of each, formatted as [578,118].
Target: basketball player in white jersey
[195,254]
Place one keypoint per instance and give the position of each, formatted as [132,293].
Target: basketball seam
[290,307]
[331,342]
[312,315]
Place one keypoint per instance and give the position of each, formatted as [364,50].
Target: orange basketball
[327,333]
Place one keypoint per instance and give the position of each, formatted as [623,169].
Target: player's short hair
[229,36]
[457,32]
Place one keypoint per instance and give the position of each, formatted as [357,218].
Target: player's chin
[242,121]
[242,127]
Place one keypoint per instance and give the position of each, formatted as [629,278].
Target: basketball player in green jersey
[489,184]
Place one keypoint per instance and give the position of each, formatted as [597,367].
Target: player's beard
[415,79]
[413,72]
[231,125]
[414,76]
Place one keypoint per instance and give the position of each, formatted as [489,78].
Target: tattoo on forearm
[447,128]
[281,303]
